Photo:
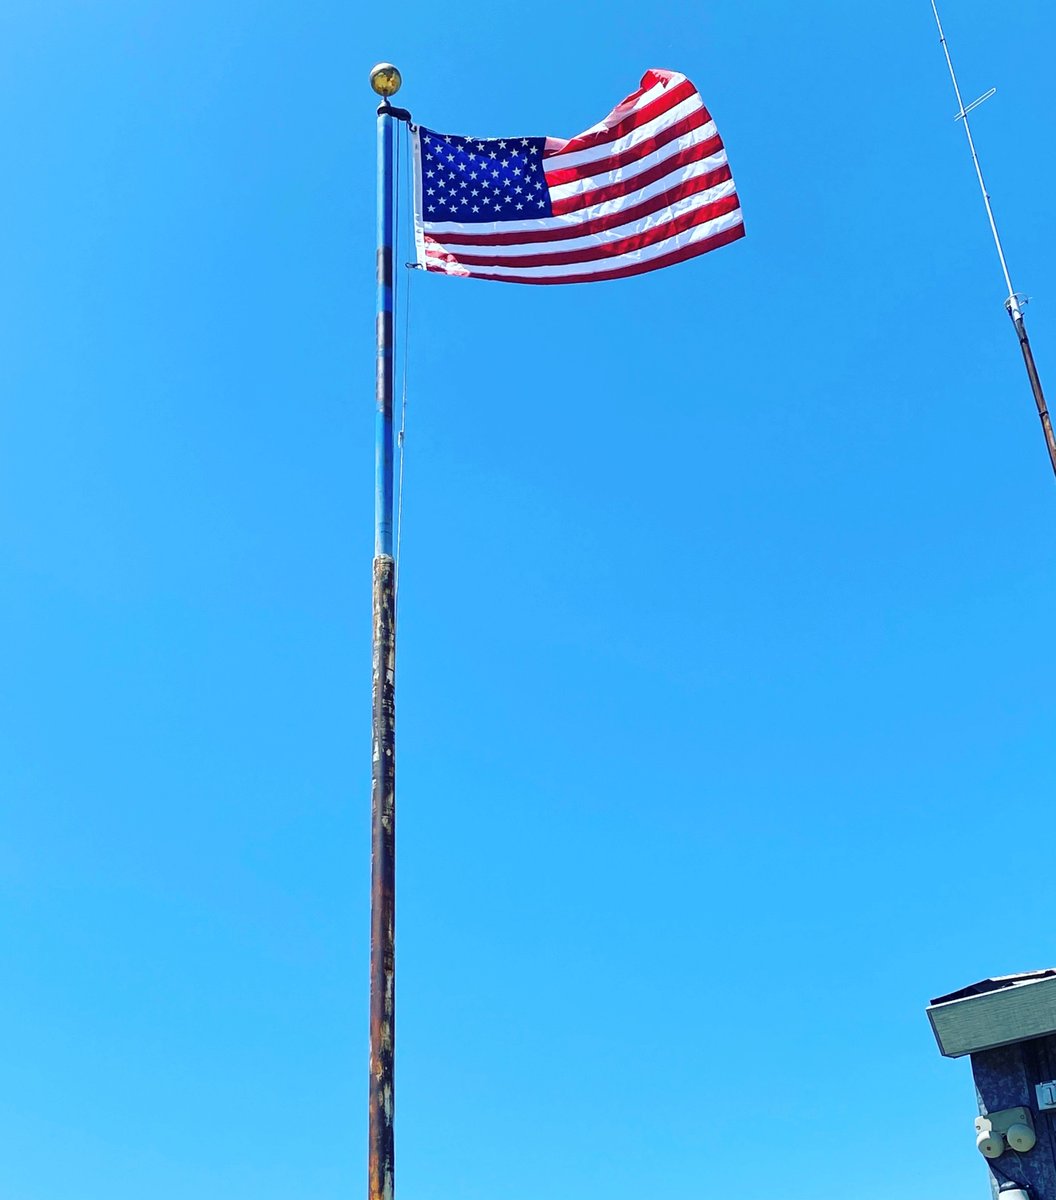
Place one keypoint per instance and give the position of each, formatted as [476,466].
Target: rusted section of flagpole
[385,80]
[381,1166]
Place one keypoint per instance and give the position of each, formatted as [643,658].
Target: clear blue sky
[726,612]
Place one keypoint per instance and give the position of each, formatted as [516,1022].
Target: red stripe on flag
[633,154]
[627,245]
[627,186]
[666,260]
[641,116]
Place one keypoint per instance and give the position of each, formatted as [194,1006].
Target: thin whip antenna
[1016,300]
[963,115]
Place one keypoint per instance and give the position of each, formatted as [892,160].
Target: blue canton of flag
[482,179]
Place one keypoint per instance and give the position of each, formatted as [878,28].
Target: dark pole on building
[1016,300]
[385,80]
[1016,313]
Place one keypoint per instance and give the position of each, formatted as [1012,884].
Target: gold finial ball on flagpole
[385,79]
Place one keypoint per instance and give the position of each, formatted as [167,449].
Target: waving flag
[646,187]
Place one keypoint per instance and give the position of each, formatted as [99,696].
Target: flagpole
[1015,302]
[385,80]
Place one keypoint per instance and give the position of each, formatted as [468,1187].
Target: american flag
[646,187]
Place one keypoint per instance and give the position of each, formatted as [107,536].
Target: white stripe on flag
[698,233]
[562,160]
[628,172]
[646,98]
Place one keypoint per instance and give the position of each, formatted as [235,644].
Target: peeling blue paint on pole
[383,443]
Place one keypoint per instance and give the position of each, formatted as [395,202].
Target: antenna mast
[1016,301]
